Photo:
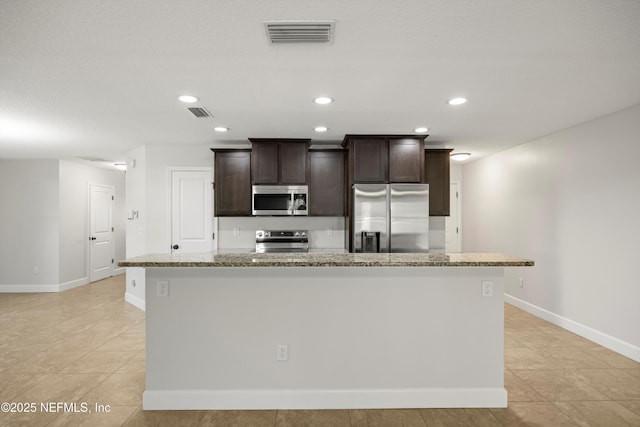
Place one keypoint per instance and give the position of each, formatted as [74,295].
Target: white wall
[29,224]
[74,216]
[571,202]
[44,223]
[148,194]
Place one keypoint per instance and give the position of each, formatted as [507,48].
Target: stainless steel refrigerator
[390,218]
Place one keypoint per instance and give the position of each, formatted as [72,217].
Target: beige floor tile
[464,417]
[30,419]
[138,327]
[538,338]
[62,388]
[165,418]
[570,339]
[538,414]
[605,413]
[107,417]
[14,384]
[324,418]
[632,372]
[125,342]
[239,419]
[386,418]
[137,365]
[47,362]
[519,391]
[83,341]
[117,390]
[632,405]
[571,358]
[525,358]
[615,383]
[559,385]
[612,358]
[10,358]
[100,362]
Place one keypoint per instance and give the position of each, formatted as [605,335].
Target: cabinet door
[233,183]
[264,162]
[293,163]
[437,176]
[406,160]
[326,183]
[370,160]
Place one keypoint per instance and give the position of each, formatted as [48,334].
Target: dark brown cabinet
[232,182]
[437,176]
[326,183]
[385,158]
[279,161]
[370,159]
[406,160]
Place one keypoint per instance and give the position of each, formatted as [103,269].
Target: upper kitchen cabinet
[326,183]
[385,158]
[437,176]
[406,160]
[279,161]
[232,182]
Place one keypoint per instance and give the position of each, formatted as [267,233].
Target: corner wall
[571,202]
[29,225]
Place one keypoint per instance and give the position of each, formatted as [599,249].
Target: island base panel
[357,337]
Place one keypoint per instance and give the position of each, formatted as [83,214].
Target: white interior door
[192,211]
[101,247]
[452,222]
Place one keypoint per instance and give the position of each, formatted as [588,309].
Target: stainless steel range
[282,241]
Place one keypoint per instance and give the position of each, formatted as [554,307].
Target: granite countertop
[214,259]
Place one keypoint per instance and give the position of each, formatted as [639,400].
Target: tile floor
[87,345]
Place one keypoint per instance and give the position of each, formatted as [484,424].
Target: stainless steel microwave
[280,200]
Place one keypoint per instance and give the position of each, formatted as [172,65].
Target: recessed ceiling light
[320,128]
[460,156]
[323,100]
[189,99]
[421,130]
[457,101]
[220,129]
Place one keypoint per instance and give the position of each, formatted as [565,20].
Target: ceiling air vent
[199,112]
[288,32]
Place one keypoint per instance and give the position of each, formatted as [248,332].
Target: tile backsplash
[240,232]
[324,232]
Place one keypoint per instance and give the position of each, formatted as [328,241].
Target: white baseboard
[28,288]
[612,343]
[73,284]
[120,270]
[324,399]
[134,301]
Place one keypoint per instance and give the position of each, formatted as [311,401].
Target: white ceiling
[100,77]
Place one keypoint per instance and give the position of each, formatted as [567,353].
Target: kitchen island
[323,330]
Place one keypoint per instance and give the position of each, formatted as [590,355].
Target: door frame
[88,228]
[458,202]
[170,171]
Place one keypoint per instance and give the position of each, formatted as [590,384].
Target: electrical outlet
[487,288]
[162,289]
[36,270]
[521,281]
[236,231]
[282,354]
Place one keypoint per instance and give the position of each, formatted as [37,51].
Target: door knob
[175,247]
[92,238]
